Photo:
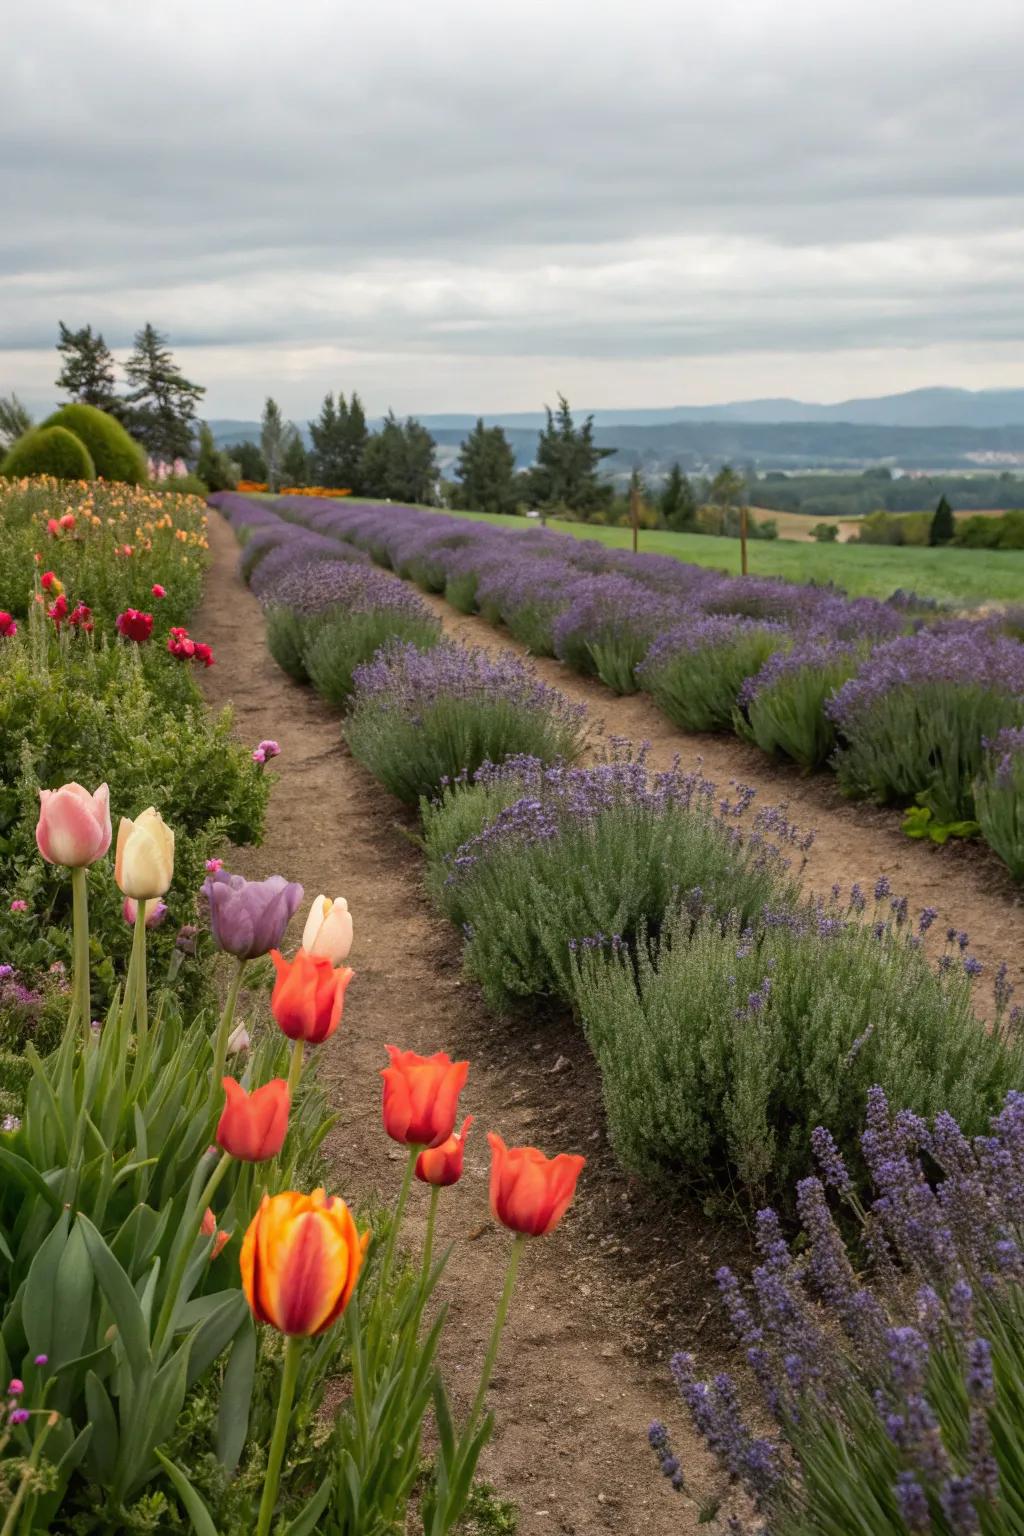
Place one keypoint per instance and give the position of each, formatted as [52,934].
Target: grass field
[967,576]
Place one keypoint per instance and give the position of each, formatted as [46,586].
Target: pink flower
[269,749]
[212,866]
[259,756]
[74,825]
[68,520]
[8,624]
[156,590]
[19,906]
[156,911]
[134,625]
[53,527]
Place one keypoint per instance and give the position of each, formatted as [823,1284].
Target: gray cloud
[528,188]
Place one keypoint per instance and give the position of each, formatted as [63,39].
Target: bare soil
[604,1300]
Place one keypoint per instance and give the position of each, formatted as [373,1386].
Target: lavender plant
[607,628]
[782,707]
[695,671]
[999,797]
[346,639]
[721,1048]
[528,859]
[913,720]
[895,1396]
[418,719]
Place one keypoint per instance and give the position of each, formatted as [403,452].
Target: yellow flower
[144,863]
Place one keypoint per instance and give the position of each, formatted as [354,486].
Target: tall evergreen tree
[273,441]
[161,406]
[943,524]
[678,504]
[14,420]
[399,463]
[339,437]
[213,465]
[295,460]
[565,472]
[486,469]
[87,369]
[354,435]
[250,461]
[326,449]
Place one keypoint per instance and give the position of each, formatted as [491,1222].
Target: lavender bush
[695,671]
[528,859]
[607,628]
[344,639]
[782,707]
[999,798]
[419,719]
[913,719]
[896,1404]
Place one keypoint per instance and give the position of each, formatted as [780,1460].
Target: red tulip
[208,1226]
[308,995]
[443,1165]
[421,1096]
[300,1261]
[530,1193]
[253,1125]
[134,625]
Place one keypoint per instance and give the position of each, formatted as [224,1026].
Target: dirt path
[574,1393]
[854,842]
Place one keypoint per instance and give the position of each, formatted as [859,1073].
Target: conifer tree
[486,469]
[87,369]
[161,406]
[678,505]
[943,524]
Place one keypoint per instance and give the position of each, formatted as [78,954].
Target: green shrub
[530,862]
[337,643]
[49,451]
[419,720]
[721,1050]
[115,454]
[286,641]
[695,671]
[782,707]
[999,798]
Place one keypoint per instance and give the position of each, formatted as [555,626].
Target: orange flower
[253,1125]
[443,1165]
[308,995]
[421,1096]
[530,1193]
[208,1226]
[301,1259]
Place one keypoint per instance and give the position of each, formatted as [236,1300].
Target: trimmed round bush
[115,454]
[49,451]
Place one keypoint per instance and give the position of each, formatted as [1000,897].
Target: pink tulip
[74,826]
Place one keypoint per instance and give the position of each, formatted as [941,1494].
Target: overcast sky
[471,204]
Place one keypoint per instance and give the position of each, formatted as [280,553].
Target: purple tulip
[249,917]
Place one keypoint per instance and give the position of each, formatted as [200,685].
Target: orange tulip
[442,1165]
[208,1226]
[253,1125]
[530,1193]
[308,995]
[421,1096]
[301,1259]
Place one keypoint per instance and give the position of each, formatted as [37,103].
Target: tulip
[144,862]
[208,1227]
[308,996]
[238,1041]
[74,825]
[328,929]
[441,1166]
[155,913]
[134,625]
[301,1258]
[249,917]
[253,1126]
[530,1193]
[421,1096]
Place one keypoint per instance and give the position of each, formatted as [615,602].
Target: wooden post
[743,538]
[634,514]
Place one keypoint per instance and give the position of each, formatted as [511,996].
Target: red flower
[308,996]
[81,617]
[48,580]
[203,654]
[253,1126]
[134,625]
[68,520]
[53,527]
[530,1193]
[156,590]
[8,625]
[443,1165]
[421,1096]
[58,611]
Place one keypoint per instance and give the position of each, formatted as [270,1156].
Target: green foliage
[720,1050]
[786,717]
[524,901]
[921,824]
[339,437]
[213,466]
[943,524]
[87,370]
[826,533]
[882,527]
[251,463]
[114,454]
[678,504]
[295,462]
[286,641]
[273,441]
[398,463]
[486,469]
[335,643]
[999,798]
[161,404]
[1006,532]
[15,420]
[698,686]
[49,451]
[565,473]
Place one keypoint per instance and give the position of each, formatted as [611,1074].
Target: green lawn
[968,576]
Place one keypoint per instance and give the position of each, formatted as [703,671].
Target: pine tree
[15,420]
[295,461]
[251,464]
[565,472]
[353,436]
[273,441]
[486,469]
[398,462]
[943,524]
[326,452]
[161,408]
[87,370]
[678,503]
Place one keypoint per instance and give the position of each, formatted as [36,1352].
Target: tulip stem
[500,1319]
[187,1238]
[227,1018]
[81,992]
[141,982]
[295,1069]
[396,1221]
[428,1242]
[289,1377]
